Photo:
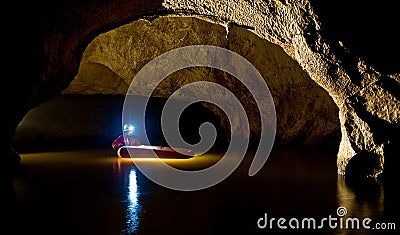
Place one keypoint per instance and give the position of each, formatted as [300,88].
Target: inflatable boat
[147,151]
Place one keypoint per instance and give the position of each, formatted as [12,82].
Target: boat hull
[146,151]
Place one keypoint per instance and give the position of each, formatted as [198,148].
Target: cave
[334,83]
[306,114]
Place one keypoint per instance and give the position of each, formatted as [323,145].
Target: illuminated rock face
[306,113]
[366,96]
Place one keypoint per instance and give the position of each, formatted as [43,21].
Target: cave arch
[62,30]
[306,113]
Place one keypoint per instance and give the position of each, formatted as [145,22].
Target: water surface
[93,192]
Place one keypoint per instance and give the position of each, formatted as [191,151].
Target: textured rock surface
[306,114]
[347,78]
[55,37]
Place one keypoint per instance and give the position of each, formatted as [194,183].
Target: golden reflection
[196,163]
[362,199]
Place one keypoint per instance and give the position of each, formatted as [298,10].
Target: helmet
[129,129]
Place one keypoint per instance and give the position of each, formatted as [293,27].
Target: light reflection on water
[366,203]
[292,184]
[361,200]
[127,176]
[132,218]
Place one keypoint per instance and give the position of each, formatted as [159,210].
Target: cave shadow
[76,122]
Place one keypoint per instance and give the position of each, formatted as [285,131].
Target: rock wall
[51,44]
[306,114]
[348,79]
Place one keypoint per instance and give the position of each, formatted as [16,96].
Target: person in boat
[126,139]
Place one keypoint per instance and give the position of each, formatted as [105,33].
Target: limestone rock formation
[306,113]
[53,40]
[348,79]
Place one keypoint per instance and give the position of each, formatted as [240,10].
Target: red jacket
[120,141]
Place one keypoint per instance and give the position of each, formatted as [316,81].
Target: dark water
[92,192]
